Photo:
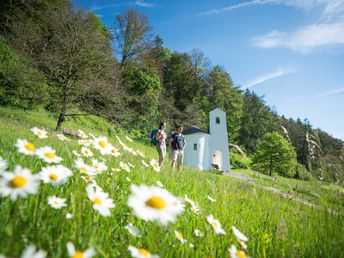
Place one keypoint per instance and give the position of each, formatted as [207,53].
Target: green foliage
[239,161]
[275,154]
[302,172]
[20,85]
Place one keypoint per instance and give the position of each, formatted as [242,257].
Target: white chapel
[205,150]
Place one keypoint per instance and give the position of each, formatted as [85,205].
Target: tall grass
[276,227]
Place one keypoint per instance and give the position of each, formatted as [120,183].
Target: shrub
[239,161]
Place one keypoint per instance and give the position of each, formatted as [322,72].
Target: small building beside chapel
[206,150]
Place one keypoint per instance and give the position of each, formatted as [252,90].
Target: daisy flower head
[56,203]
[180,237]
[211,199]
[18,183]
[115,152]
[195,209]
[25,147]
[31,252]
[144,163]
[76,153]
[62,138]
[102,144]
[235,253]
[55,175]
[179,204]
[99,166]
[153,203]
[48,155]
[216,225]
[159,184]
[101,201]
[84,142]
[90,252]
[82,134]
[240,236]
[86,152]
[141,253]
[133,230]
[140,153]
[40,133]
[84,168]
[199,233]
[3,164]
[124,166]
[155,165]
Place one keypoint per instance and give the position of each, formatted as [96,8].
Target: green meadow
[276,226]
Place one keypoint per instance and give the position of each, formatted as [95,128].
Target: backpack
[153,137]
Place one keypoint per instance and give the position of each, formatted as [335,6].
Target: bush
[238,161]
[302,173]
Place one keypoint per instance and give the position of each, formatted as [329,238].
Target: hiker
[160,137]
[177,144]
[168,140]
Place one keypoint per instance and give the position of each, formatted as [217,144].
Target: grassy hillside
[275,226]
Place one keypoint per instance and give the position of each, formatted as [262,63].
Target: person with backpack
[160,138]
[177,144]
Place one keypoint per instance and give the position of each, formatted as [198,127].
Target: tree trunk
[63,109]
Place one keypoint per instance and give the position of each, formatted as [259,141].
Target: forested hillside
[65,60]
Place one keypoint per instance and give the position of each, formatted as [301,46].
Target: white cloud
[144,4]
[268,76]
[304,39]
[100,7]
[331,92]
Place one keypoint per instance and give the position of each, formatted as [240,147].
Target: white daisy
[25,147]
[155,165]
[115,152]
[3,164]
[82,134]
[180,237]
[216,225]
[18,183]
[90,252]
[195,209]
[84,168]
[99,166]
[153,203]
[55,175]
[31,252]
[179,204]
[124,166]
[140,153]
[101,201]
[116,169]
[133,230]
[235,253]
[141,253]
[84,142]
[211,199]
[88,178]
[40,133]
[239,235]
[48,155]
[144,163]
[131,165]
[56,203]
[159,184]
[76,153]
[191,245]
[62,138]
[199,233]
[102,144]
[86,152]
[69,215]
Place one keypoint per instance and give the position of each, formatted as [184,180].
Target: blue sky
[289,51]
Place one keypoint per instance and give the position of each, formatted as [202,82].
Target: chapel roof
[194,129]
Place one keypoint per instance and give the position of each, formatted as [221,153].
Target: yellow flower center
[179,235]
[97,201]
[39,133]
[156,202]
[18,181]
[53,177]
[114,151]
[83,170]
[56,202]
[49,155]
[215,224]
[102,144]
[78,254]
[88,177]
[144,252]
[241,254]
[30,147]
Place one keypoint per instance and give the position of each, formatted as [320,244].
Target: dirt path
[252,180]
